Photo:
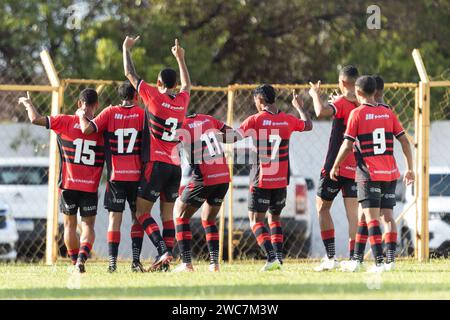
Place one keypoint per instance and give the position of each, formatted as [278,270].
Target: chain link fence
[24,167]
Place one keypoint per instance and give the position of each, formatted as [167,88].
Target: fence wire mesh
[23,185]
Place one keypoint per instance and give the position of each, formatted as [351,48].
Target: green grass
[410,280]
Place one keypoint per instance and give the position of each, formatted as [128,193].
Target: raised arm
[409,174]
[178,52]
[86,126]
[128,66]
[297,102]
[33,115]
[322,110]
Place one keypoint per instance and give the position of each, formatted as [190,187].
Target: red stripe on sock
[375,239]
[327,234]
[184,235]
[212,236]
[362,224]
[361,238]
[137,231]
[169,224]
[182,221]
[374,223]
[390,237]
[277,238]
[257,225]
[143,217]
[73,251]
[206,223]
[275,224]
[351,244]
[86,244]
[263,237]
[114,236]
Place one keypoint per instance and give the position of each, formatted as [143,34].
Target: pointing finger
[137,38]
[28,95]
[176,42]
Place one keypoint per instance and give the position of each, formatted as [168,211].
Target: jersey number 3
[379,141]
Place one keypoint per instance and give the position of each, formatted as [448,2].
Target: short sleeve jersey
[206,154]
[271,133]
[342,108]
[81,156]
[164,115]
[122,128]
[373,129]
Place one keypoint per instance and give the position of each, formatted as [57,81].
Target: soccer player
[122,128]
[81,158]
[270,130]
[165,112]
[208,185]
[339,108]
[387,215]
[371,129]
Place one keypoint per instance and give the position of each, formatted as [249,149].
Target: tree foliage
[233,41]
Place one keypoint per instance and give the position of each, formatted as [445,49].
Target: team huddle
[141,148]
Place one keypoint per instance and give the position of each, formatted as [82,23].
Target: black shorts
[377,194]
[261,200]
[72,200]
[196,195]
[118,193]
[328,189]
[159,178]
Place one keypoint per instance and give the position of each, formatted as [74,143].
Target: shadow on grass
[331,291]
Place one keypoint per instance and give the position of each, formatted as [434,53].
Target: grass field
[410,280]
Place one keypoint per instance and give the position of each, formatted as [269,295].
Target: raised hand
[297,100]
[26,101]
[129,42]
[177,51]
[315,89]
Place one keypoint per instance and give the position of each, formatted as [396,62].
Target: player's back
[164,115]
[206,154]
[82,155]
[271,133]
[342,108]
[122,128]
[375,127]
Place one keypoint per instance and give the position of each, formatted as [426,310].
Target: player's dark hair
[89,96]
[379,81]
[267,92]
[349,72]
[126,91]
[366,84]
[168,77]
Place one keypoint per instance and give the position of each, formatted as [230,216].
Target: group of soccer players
[141,149]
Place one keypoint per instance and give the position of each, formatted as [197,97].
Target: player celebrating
[81,158]
[165,113]
[208,185]
[271,130]
[372,128]
[387,215]
[122,127]
[328,189]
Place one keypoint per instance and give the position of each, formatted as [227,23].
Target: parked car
[295,218]
[24,187]
[439,213]
[8,234]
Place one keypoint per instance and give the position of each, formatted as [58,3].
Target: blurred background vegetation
[233,41]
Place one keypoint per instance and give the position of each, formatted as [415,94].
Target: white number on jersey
[83,151]
[211,143]
[379,141]
[121,133]
[172,123]
[275,141]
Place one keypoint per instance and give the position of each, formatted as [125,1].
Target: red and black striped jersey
[271,133]
[342,108]
[81,156]
[122,128]
[373,128]
[206,154]
[164,115]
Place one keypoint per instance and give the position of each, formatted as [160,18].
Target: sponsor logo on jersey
[371,116]
[197,124]
[272,123]
[119,116]
[171,107]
